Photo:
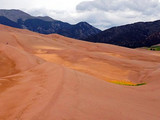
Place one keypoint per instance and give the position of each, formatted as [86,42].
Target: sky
[102,14]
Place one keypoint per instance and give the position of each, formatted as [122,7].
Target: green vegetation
[154,48]
[140,84]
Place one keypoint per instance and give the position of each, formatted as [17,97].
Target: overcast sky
[100,13]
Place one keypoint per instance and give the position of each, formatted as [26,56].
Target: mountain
[14,15]
[78,31]
[6,21]
[154,38]
[47,25]
[44,27]
[131,35]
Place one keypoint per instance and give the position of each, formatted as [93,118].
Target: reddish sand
[51,77]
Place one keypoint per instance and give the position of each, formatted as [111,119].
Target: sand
[51,77]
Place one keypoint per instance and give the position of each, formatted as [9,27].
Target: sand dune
[51,77]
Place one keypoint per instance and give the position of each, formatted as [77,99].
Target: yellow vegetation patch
[124,82]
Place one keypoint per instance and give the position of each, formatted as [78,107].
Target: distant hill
[132,35]
[46,25]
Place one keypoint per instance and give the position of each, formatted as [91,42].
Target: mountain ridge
[47,25]
[130,35]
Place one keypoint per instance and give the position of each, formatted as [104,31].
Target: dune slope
[51,77]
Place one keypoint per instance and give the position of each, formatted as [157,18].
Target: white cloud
[35,4]
[62,15]
[117,12]
[64,10]
[100,13]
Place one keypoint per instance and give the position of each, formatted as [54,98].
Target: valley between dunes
[51,77]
